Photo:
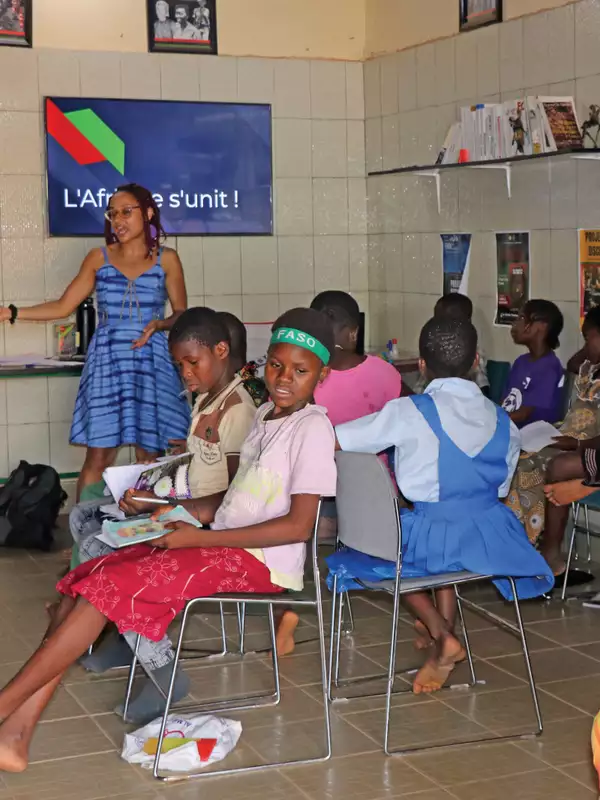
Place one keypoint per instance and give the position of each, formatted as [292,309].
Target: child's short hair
[238,336]
[548,312]
[448,347]
[310,321]
[341,308]
[454,306]
[201,325]
[592,320]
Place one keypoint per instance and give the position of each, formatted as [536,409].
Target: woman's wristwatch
[14,313]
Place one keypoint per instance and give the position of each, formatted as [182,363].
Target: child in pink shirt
[357,385]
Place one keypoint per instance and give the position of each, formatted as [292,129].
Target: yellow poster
[589,271]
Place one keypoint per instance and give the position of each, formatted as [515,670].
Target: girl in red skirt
[256,543]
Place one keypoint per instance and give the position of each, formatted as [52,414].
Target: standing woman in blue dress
[130,390]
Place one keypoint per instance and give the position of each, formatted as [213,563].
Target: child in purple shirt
[535,383]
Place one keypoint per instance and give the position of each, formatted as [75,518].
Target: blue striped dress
[129,396]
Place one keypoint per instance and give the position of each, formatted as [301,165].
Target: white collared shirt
[466,415]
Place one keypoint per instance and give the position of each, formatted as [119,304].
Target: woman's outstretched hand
[181,535]
[147,333]
[5,314]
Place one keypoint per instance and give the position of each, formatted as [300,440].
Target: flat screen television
[209,165]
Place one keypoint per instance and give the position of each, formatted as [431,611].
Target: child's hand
[181,535]
[565,442]
[133,507]
[177,447]
[160,511]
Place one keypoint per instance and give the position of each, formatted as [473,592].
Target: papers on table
[537,435]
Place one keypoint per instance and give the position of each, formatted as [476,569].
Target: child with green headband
[256,544]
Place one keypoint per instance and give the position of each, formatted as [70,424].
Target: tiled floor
[76,749]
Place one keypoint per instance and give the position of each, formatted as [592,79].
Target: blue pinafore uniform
[469,528]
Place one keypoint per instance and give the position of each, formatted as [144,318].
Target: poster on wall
[182,26]
[456,256]
[512,275]
[589,271]
[15,23]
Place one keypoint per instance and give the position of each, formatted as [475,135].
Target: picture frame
[15,23]
[182,26]
[478,13]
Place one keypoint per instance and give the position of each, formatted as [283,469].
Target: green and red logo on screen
[85,137]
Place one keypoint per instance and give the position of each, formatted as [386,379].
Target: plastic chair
[369,521]
[309,598]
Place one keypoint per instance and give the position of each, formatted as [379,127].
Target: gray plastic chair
[369,521]
[310,597]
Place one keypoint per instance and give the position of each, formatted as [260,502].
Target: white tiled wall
[411,98]
[319,205]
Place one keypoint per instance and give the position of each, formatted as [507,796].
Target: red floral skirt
[143,588]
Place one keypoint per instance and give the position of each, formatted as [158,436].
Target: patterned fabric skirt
[143,588]
[526,497]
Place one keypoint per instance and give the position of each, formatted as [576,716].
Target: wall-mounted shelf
[504,164]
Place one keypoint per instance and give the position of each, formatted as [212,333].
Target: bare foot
[284,638]
[13,753]
[423,639]
[567,492]
[554,560]
[52,608]
[436,670]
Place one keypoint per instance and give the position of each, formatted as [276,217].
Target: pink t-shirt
[352,393]
[281,457]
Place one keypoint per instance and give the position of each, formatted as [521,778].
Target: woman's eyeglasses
[112,214]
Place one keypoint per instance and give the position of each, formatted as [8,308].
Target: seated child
[357,384]
[458,306]
[257,543]
[455,453]
[222,417]
[238,334]
[534,388]
[582,424]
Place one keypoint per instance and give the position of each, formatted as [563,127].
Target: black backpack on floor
[29,504]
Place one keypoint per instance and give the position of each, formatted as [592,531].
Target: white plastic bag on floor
[185,758]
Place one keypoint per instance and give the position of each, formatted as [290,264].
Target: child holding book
[257,542]
[222,418]
[455,453]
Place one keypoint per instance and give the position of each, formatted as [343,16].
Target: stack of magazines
[523,127]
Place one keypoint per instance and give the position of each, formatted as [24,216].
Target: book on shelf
[560,122]
[525,126]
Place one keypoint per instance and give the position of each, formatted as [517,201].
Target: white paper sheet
[537,435]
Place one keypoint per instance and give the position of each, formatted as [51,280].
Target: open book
[137,530]
[166,477]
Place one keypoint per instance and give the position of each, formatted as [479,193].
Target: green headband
[301,339]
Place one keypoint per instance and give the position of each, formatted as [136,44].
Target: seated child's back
[357,385]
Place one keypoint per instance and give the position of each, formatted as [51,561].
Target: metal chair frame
[312,599]
[397,588]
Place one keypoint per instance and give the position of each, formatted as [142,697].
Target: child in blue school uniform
[455,454]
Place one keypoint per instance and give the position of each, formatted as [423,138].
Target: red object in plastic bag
[205,748]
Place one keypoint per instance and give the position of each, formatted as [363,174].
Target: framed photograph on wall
[15,23]
[182,26]
[475,13]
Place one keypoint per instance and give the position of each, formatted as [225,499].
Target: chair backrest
[367,506]
[497,372]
